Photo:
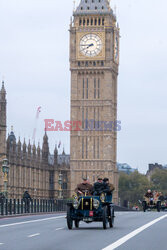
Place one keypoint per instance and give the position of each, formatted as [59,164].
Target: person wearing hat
[84,188]
[98,186]
[108,187]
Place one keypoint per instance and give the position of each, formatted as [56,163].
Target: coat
[84,188]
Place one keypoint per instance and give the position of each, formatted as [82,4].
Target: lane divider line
[1,243]
[33,235]
[61,228]
[31,221]
[124,239]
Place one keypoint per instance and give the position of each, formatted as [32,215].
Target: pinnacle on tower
[3,92]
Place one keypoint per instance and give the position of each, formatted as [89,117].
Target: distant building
[152,167]
[125,168]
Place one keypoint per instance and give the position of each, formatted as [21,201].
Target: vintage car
[163,200]
[90,209]
[164,205]
[151,203]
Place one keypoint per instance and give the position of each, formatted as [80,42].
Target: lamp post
[60,186]
[5,170]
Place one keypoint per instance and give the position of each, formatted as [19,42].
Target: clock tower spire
[94,61]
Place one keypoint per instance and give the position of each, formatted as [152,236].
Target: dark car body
[90,209]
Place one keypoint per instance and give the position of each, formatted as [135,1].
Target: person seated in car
[98,187]
[84,188]
[108,187]
[148,196]
[161,197]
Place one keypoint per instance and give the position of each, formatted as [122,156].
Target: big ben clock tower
[94,61]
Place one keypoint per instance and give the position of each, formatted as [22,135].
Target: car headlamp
[102,197]
[96,203]
[75,202]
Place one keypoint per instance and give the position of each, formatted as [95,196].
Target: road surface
[132,231]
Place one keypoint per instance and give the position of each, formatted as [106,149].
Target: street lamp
[5,170]
[60,186]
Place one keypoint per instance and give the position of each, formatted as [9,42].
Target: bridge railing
[20,206]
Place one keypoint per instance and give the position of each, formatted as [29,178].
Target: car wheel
[105,217]
[77,223]
[69,220]
[144,206]
[158,206]
[111,217]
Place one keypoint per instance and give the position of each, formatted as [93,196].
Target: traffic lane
[16,232]
[15,219]
[55,235]
[152,238]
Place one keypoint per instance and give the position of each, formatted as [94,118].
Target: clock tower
[94,61]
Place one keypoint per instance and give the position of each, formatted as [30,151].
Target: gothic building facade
[94,62]
[31,168]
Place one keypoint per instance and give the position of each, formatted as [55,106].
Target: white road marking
[57,229]
[31,221]
[133,234]
[1,243]
[33,235]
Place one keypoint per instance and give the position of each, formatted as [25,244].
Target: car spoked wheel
[105,217]
[69,220]
[77,223]
[111,217]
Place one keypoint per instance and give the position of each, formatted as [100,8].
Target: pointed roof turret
[24,146]
[87,7]
[45,147]
[38,150]
[55,154]
[3,92]
[19,146]
[29,148]
[63,151]
[34,150]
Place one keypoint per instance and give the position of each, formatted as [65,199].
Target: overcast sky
[34,59]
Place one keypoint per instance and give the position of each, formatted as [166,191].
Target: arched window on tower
[82,147]
[83,89]
[94,149]
[87,88]
[86,119]
[86,147]
[98,148]
[99,88]
[94,88]
[83,117]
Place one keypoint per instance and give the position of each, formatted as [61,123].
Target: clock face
[90,45]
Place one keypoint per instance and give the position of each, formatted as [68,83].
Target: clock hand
[89,45]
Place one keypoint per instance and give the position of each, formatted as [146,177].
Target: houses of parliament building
[94,64]
[31,168]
